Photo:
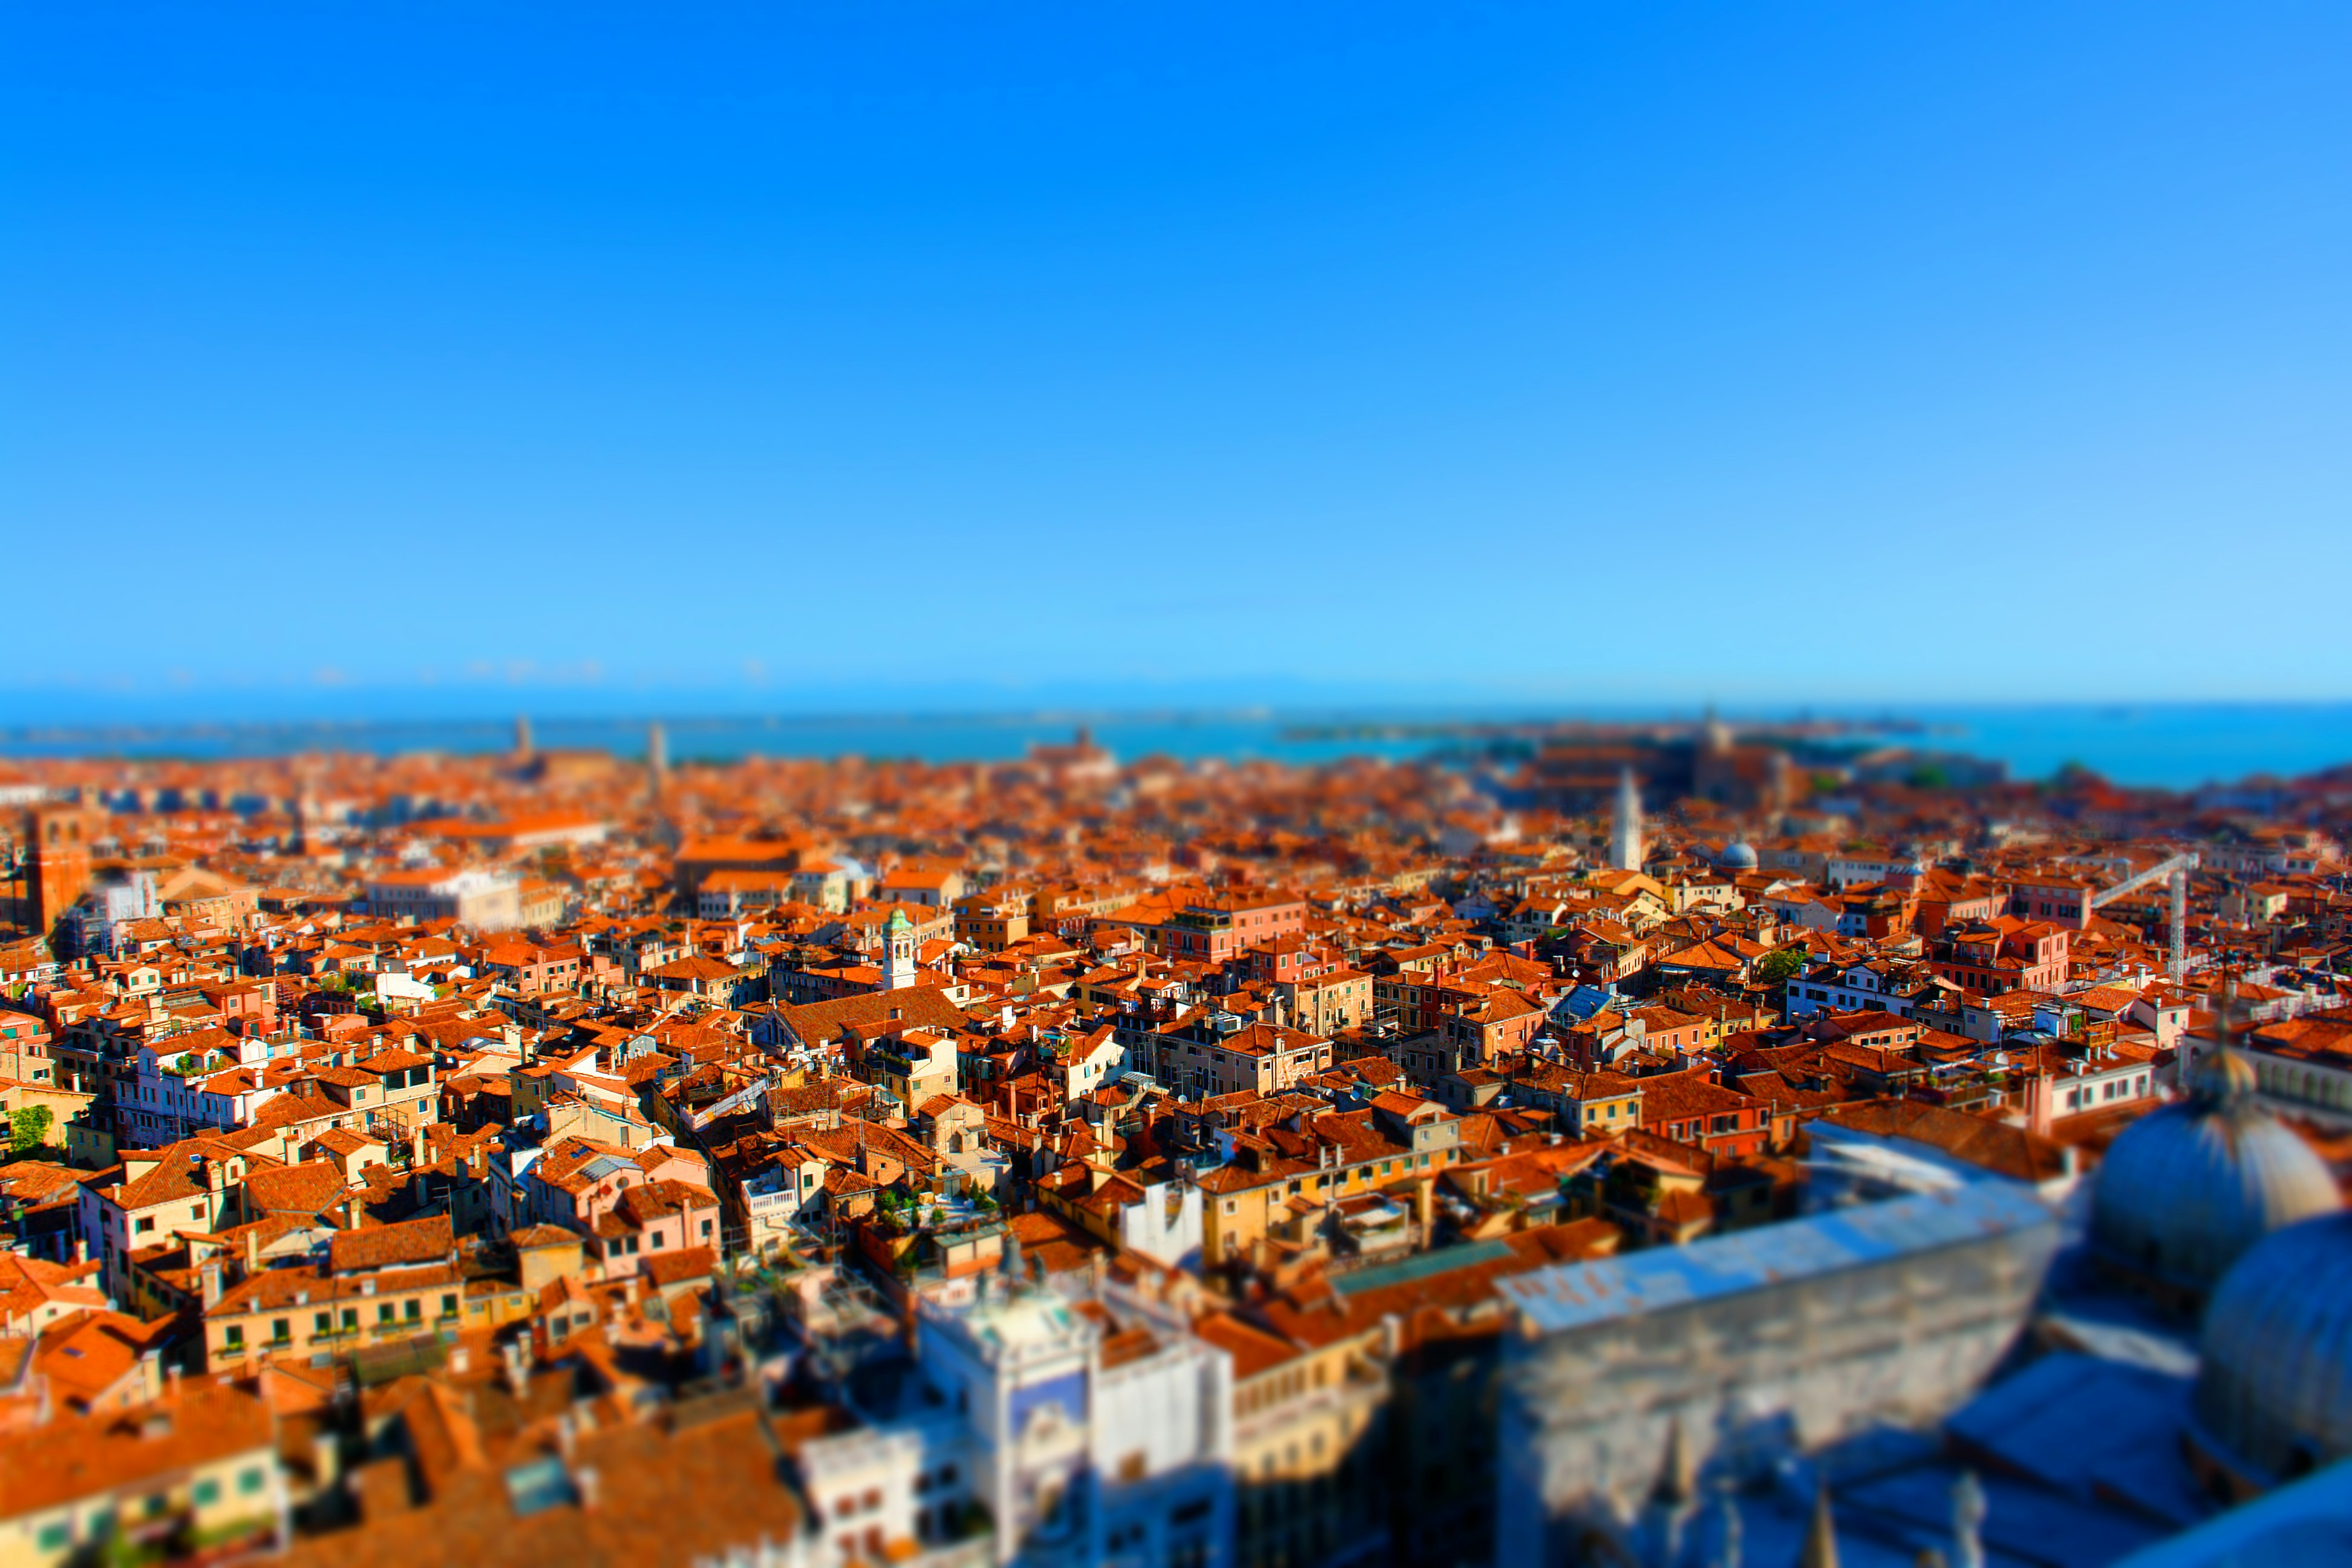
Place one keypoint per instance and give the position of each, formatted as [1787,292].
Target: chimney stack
[2038,1094]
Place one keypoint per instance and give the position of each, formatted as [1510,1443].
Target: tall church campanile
[900,973]
[1625,826]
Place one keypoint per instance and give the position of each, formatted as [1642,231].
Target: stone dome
[2274,1392]
[1737,856]
[2190,1187]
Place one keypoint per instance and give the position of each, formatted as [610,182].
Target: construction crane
[2175,871]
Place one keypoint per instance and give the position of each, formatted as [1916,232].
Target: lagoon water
[2177,745]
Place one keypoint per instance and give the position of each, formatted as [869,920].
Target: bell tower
[899,937]
[1625,826]
[59,837]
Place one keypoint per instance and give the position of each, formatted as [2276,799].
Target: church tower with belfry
[1625,826]
[900,939]
[57,837]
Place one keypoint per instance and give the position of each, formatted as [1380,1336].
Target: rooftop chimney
[2038,1095]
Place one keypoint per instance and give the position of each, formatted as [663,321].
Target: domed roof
[2275,1386]
[1737,856]
[2190,1187]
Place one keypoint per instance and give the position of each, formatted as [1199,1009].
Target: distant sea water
[2174,745]
[2167,745]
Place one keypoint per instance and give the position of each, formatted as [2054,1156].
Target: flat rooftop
[1578,1295]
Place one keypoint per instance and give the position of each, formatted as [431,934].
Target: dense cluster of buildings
[1668,1147]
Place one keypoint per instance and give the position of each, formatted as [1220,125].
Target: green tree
[1779,966]
[28,1129]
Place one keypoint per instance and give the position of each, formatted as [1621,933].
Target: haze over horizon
[1591,356]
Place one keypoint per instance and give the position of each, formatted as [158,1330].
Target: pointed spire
[1667,1515]
[1673,1485]
[2222,1078]
[1968,1521]
[1820,1536]
[1733,1534]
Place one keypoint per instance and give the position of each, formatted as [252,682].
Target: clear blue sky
[795,355]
